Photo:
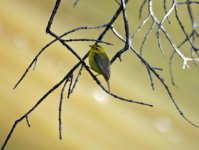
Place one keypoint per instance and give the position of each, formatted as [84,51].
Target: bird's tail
[108,85]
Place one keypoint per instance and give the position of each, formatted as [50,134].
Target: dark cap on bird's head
[95,46]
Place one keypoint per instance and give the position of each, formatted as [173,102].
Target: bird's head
[96,48]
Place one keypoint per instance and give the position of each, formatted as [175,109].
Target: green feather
[99,62]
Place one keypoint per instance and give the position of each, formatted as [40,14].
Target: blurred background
[92,120]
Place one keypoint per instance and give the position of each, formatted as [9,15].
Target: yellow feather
[99,62]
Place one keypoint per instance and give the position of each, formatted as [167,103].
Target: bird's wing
[103,63]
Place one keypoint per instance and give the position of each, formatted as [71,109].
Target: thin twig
[93,76]
[28,122]
[170,68]
[35,106]
[75,3]
[76,79]
[183,29]
[50,43]
[185,59]
[171,59]
[83,40]
[165,10]
[60,109]
[126,26]
[160,79]
[141,25]
[53,15]
[146,36]
[117,2]
[151,70]
[150,7]
[151,79]
[141,8]
[70,85]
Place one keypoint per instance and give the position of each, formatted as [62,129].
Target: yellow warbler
[99,62]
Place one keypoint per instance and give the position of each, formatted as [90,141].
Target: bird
[99,62]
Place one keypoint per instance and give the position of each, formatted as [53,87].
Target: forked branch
[127,41]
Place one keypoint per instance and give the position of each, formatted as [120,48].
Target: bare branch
[53,15]
[141,8]
[146,36]
[165,10]
[49,44]
[170,68]
[70,79]
[75,3]
[35,106]
[83,40]
[190,38]
[60,108]
[161,81]
[77,78]
[183,29]
[141,25]
[27,120]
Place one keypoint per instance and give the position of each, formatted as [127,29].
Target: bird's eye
[96,48]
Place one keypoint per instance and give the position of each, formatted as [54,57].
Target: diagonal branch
[159,78]
[50,43]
